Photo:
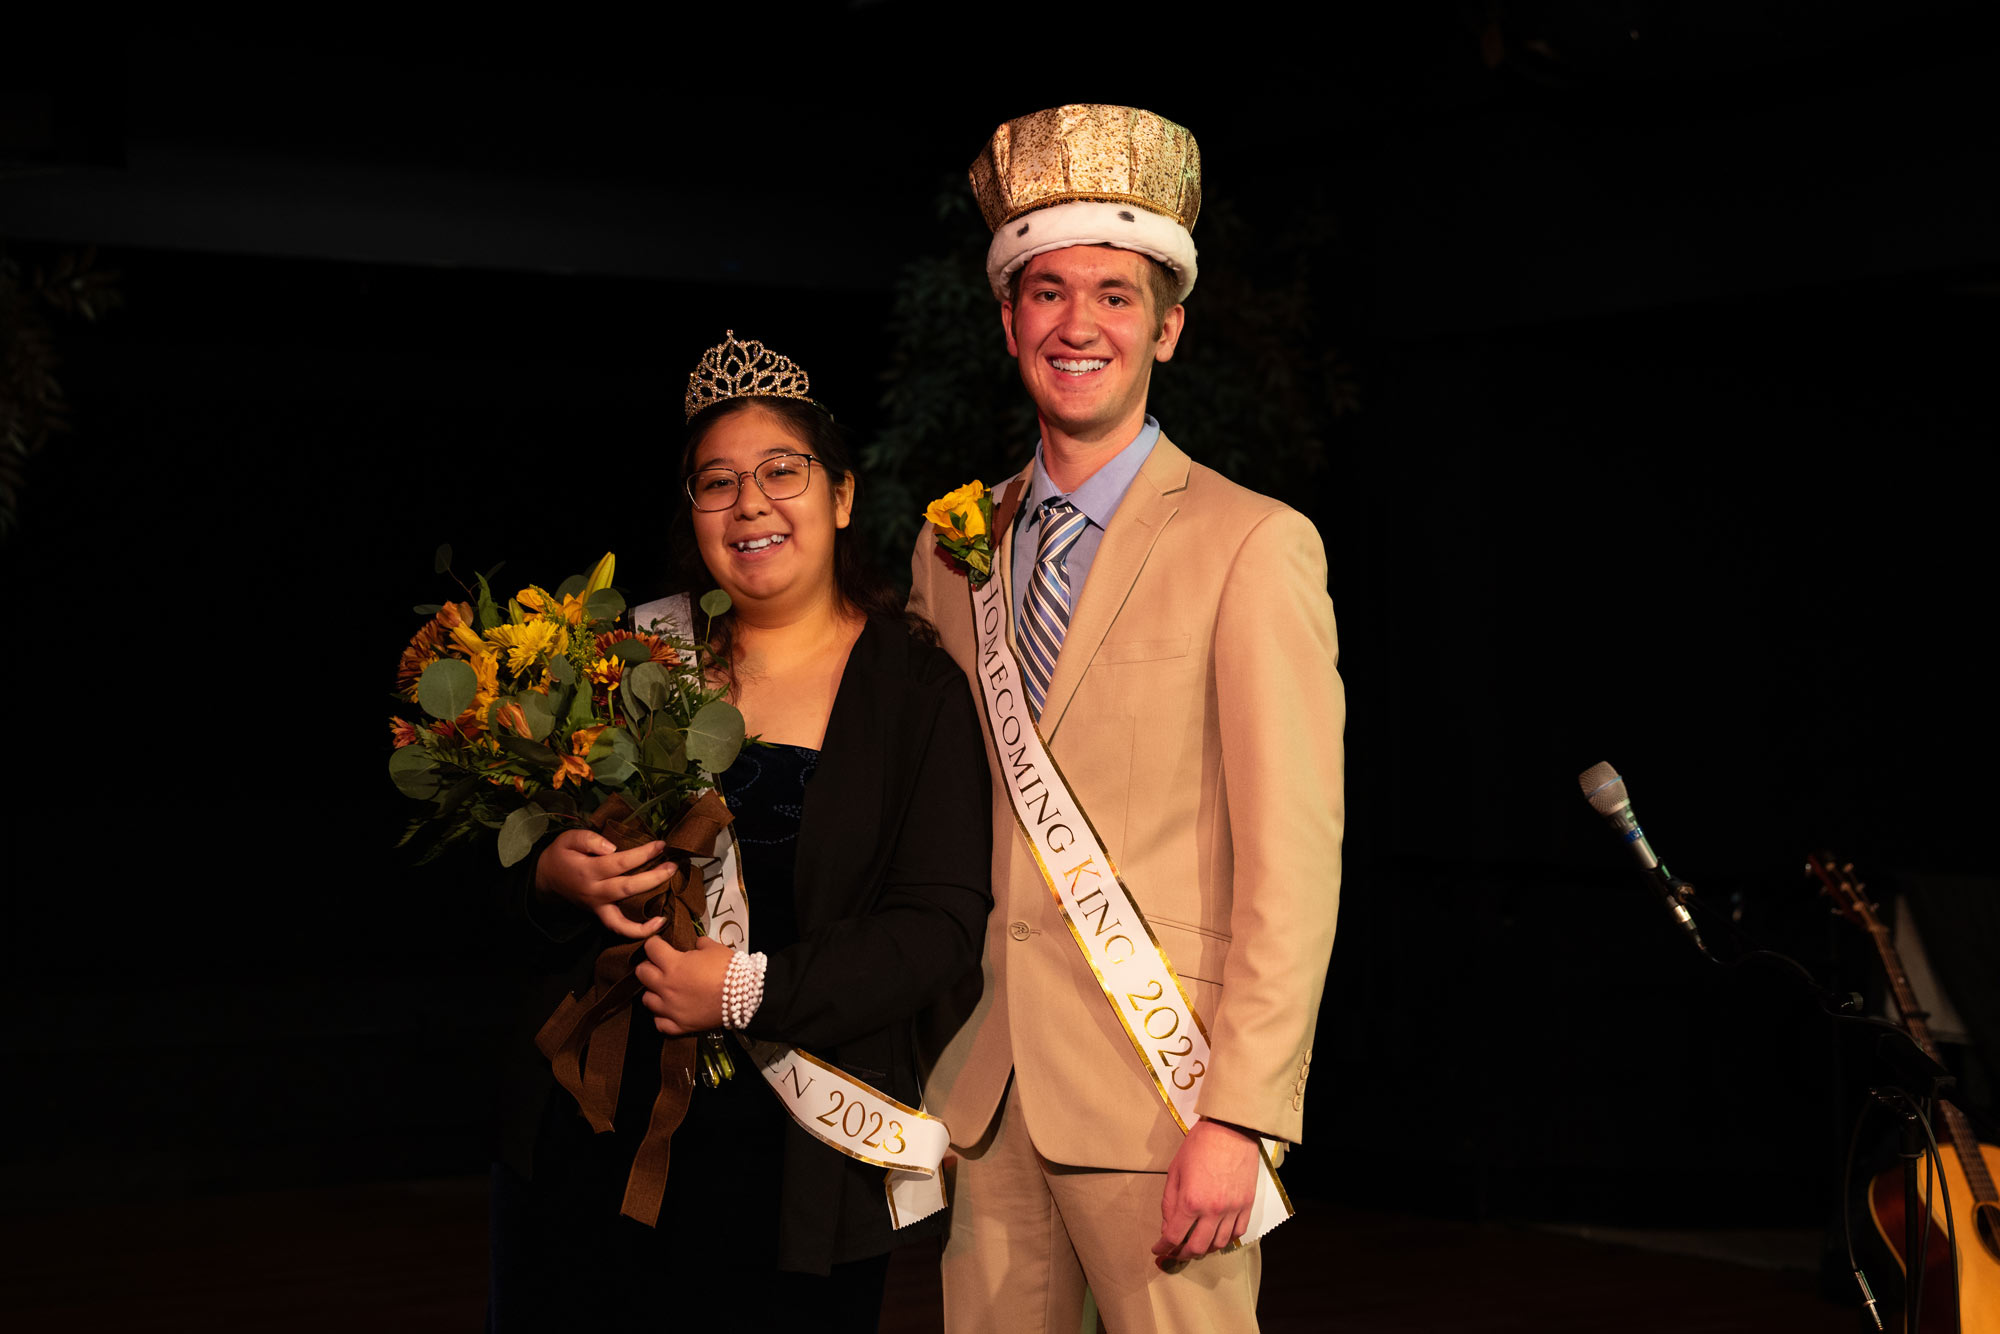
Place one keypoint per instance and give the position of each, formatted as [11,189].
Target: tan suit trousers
[1028,1234]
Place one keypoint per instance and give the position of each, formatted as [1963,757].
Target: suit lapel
[1151,500]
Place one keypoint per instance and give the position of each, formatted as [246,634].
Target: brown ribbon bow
[587,1049]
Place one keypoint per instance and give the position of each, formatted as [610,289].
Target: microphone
[1605,791]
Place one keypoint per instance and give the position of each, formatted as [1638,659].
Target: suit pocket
[1194,951]
[1114,651]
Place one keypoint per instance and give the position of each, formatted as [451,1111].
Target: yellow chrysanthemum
[527,641]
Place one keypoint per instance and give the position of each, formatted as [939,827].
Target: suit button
[1018,930]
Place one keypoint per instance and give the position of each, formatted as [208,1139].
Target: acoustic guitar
[1972,1291]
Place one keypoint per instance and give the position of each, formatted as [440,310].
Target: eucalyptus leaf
[541,718]
[427,608]
[580,708]
[658,749]
[519,831]
[562,669]
[414,772]
[715,602]
[442,560]
[604,604]
[715,736]
[447,688]
[534,752]
[632,652]
[572,586]
[611,755]
[647,682]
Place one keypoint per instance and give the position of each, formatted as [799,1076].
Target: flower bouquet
[542,713]
[544,710]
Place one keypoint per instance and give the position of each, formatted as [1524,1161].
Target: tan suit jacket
[1197,712]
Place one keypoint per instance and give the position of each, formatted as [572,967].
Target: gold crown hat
[733,369]
[1089,175]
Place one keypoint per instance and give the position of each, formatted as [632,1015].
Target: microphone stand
[1910,1066]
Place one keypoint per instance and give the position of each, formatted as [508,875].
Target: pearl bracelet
[742,989]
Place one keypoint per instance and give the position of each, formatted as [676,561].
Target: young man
[1168,638]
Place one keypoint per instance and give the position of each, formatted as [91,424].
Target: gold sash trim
[1111,932]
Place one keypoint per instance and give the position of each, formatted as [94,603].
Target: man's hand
[587,869]
[684,988]
[1210,1186]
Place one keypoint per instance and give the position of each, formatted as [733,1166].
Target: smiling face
[1086,341]
[775,558]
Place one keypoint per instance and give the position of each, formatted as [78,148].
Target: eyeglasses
[780,477]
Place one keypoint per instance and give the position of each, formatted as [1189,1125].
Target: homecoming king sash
[832,1106]
[1138,980]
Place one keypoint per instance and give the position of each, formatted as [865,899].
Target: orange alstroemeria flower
[576,764]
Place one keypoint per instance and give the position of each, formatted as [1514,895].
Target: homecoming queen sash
[832,1106]
[1138,981]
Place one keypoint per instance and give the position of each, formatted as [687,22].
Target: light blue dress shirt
[1098,499]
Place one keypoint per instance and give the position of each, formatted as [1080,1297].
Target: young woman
[863,826]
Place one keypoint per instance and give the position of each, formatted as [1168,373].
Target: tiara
[733,369]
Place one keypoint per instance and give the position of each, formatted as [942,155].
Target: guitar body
[1973,1293]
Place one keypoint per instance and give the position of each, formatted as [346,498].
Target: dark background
[1669,330]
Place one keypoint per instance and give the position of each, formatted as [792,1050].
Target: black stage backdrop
[1673,363]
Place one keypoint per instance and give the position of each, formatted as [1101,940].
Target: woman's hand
[587,869]
[684,988]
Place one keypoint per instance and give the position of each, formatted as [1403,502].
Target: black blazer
[892,893]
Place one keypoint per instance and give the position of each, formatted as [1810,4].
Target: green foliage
[540,714]
[519,831]
[606,604]
[632,652]
[414,771]
[486,614]
[483,774]
[648,684]
[715,736]
[446,689]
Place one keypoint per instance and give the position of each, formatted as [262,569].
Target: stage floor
[412,1256]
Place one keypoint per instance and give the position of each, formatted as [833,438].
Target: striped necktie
[1047,607]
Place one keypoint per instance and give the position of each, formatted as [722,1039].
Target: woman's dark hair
[859,585]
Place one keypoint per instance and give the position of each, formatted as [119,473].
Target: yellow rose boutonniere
[963,521]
